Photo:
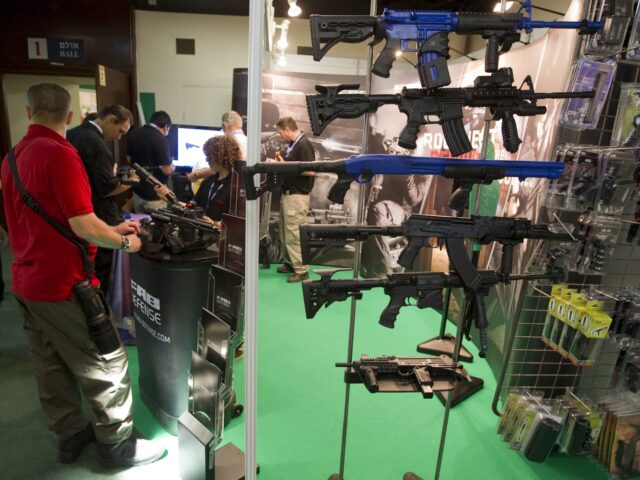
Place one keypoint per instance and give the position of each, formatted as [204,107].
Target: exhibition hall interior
[343,240]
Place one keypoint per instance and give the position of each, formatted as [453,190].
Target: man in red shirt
[45,268]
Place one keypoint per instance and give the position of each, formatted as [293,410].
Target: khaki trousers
[293,213]
[68,362]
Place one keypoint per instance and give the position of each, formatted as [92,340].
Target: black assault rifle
[445,105]
[420,229]
[398,374]
[425,288]
[178,229]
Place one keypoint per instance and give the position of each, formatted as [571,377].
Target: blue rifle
[362,168]
[430,29]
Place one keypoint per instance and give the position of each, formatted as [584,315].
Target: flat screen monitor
[190,140]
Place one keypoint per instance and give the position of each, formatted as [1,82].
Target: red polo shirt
[45,264]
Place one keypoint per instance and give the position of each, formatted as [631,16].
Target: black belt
[292,192]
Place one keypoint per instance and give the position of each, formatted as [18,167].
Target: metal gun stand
[460,330]
[356,267]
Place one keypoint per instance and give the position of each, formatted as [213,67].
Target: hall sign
[56,49]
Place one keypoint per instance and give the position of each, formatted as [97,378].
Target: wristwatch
[125,243]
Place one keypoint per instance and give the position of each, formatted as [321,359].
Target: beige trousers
[293,213]
[68,362]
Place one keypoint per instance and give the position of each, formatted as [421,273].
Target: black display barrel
[167,302]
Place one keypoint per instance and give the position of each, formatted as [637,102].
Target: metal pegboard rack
[530,363]
[527,360]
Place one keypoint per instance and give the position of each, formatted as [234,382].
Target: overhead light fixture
[294,9]
[498,7]
[398,53]
[282,43]
[282,59]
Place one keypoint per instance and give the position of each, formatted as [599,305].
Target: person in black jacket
[214,194]
[294,202]
[90,140]
[148,147]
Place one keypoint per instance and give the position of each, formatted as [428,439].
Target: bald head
[48,103]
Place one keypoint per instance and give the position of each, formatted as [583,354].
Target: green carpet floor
[301,397]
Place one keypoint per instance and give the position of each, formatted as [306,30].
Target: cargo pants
[293,213]
[67,362]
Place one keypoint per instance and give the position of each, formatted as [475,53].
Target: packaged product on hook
[633,53]
[617,182]
[599,240]
[578,187]
[617,15]
[587,74]
[626,129]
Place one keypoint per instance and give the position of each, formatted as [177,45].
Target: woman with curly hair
[213,195]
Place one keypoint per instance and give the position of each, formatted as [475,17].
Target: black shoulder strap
[30,202]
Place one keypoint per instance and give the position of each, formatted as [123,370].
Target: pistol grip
[409,135]
[384,62]
[390,313]
[460,198]
[340,189]
[409,254]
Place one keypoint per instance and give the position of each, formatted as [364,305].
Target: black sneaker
[71,448]
[131,452]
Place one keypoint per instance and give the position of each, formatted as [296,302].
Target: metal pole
[252,224]
[456,354]
[356,266]
[445,312]
[462,320]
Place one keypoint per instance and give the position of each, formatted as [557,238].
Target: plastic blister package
[616,14]
[587,74]
[599,239]
[579,179]
[626,129]
[535,426]
[633,53]
[617,183]
[596,180]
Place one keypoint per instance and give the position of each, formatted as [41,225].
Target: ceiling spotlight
[398,53]
[282,60]
[282,43]
[498,7]
[294,9]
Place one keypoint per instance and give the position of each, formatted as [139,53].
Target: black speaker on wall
[239,93]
